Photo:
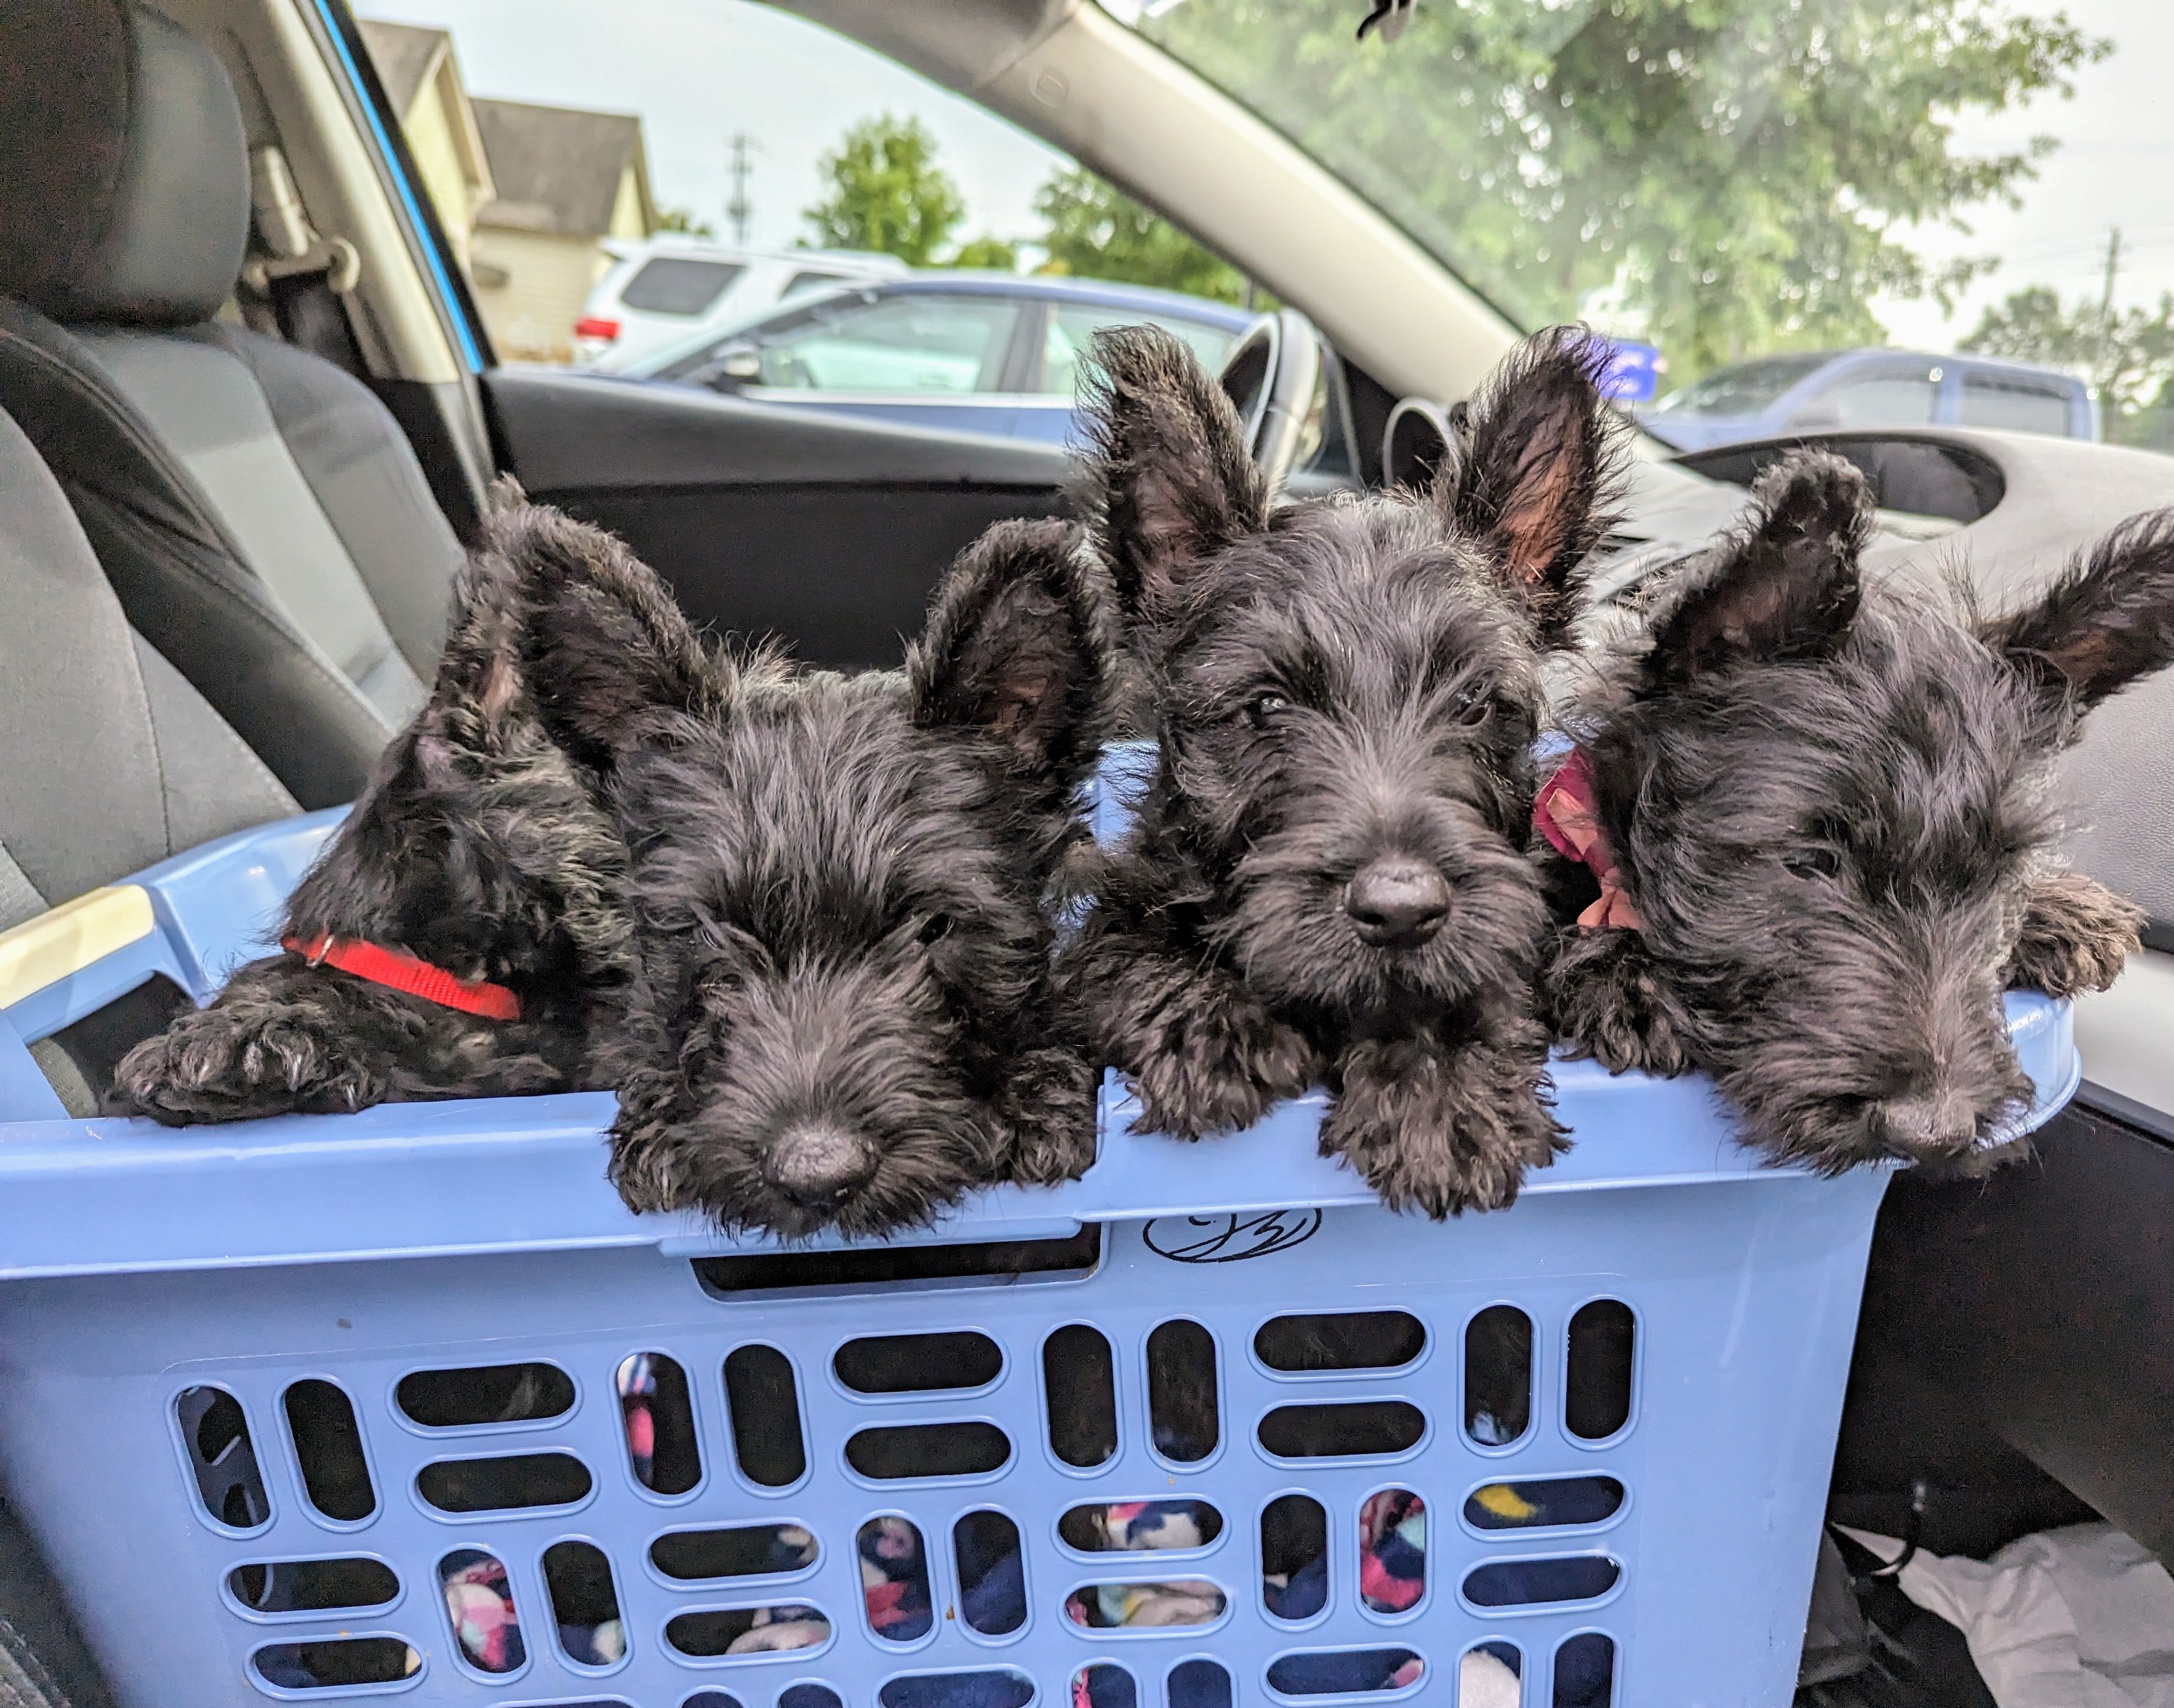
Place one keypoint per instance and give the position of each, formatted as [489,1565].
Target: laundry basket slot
[328,1450]
[504,1482]
[1004,1261]
[314,1585]
[499,1393]
[1340,1340]
[901,1364]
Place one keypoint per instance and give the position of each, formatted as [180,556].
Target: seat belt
[307,278]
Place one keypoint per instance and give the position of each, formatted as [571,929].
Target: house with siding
[527,194]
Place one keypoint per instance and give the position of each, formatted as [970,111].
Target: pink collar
[1563,813]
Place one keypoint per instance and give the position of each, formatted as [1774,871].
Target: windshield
[1732,180]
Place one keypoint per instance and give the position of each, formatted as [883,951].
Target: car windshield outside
[1751,187]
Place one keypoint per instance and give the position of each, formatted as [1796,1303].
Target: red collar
[398,971]
[1563,811]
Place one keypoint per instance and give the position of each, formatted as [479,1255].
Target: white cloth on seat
[2082,1617]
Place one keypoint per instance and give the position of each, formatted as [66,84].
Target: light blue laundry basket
[220,1349]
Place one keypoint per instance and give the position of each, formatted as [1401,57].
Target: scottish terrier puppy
[463,929]
[845,1014]
[1819,812]
[1329,879]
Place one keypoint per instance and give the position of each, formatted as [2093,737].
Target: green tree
[684,219]
[993,253]
[1747,171]
[886,193]
[1096,232]
[2128,354]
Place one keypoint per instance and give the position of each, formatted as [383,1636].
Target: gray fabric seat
[261,518]
[109,761]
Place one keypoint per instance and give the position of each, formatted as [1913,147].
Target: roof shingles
[558,169]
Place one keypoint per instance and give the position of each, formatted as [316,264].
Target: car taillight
[591,326]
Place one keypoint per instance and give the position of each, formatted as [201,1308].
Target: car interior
[248,414]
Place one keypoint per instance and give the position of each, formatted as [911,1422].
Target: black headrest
[124,170]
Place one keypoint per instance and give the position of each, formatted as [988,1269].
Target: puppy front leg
[1441,1124]
[266,1046]
[1048,1104]
[2077,935]
[1205,1054]
[1606,996]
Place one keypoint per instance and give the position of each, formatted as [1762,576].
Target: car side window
[917,345]
[1071,327]
[669,284]
[1883,396]
[2016,406]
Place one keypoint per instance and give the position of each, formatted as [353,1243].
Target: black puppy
[845,1015]
[1825,807]
[1328,879]
[478,866]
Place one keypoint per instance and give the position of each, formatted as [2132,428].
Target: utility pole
[737,209]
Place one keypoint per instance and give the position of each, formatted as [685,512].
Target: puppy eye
[1813,862]
[1474,705]
[1265,709]
[936,928]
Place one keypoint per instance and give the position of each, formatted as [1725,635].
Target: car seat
[265,524]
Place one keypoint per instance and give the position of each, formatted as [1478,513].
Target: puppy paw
[1442,1130]
[1219,1069]
[2077,935]
[215,1065]
[1050,1107]
[1605,997]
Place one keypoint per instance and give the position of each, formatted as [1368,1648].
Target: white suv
[661,289]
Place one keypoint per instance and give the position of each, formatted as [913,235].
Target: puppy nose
[1929,1123]
[819,1166]
[1397,902]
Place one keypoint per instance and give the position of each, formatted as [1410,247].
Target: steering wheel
[1270,376]
[1421,439]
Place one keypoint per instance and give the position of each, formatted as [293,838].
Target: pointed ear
[2107,618]
[1169,481]
[1536,468]
[1020,644]
[1783,585]
[605,644]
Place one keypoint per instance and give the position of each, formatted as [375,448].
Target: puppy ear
[1783,585]
[1169,481]
[1020,644]
[2107,618]
[1535,468]
[605,644]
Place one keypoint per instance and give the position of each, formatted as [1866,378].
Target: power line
[739,207]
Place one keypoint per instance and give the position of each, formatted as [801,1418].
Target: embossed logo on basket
[1230,1239]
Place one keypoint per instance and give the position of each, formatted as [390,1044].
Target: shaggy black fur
[1328,878]
[1829,801]
[845,1015]
[477,846]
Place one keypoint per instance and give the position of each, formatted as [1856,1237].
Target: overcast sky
[700,71]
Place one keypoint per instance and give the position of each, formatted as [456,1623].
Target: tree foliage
[990,252]
[683,219]
[1097,232]
[1746,171]
[2127,352]
[887,193]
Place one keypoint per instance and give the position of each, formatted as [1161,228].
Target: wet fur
[478,845]
[844,1017]
[1829,803]
[1331,683]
